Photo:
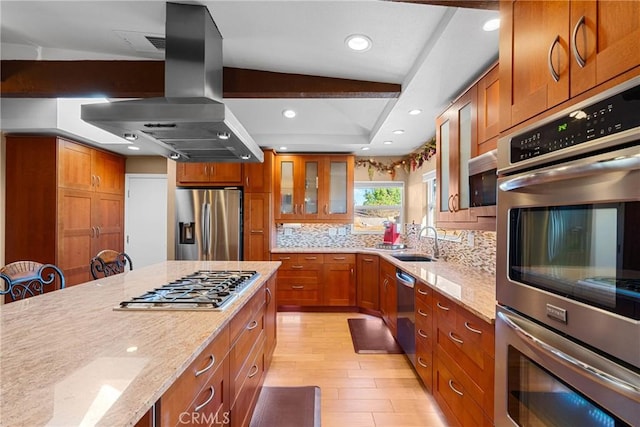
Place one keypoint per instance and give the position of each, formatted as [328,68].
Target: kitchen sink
[412,257]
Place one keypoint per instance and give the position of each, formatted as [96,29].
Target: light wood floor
[357,390]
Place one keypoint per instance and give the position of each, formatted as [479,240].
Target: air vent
[160,43]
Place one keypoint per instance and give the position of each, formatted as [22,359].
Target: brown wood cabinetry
[389,296]
[463,376]
[202,388]
[553,51]
[339,280]
[209,174]
[258,177]
[309,279]
[299,279]
[314,188]
[468,128]
[222,385]
[65,203]
[258,225]
[367,282]
[424,333]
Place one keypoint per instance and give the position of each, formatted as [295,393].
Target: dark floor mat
[371,336]
[287,407]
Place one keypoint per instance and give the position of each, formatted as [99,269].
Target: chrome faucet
[436,249]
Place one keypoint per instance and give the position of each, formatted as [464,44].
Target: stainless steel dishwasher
[406,314]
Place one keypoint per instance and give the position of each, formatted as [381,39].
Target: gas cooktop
[206,290]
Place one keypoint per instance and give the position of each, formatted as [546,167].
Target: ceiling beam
[145,79]
[467,4]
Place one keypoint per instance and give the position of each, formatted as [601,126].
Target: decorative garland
[410,163]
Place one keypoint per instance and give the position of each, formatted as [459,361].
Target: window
[375,203]
[429,179]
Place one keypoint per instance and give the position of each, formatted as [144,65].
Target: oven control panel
[612,115]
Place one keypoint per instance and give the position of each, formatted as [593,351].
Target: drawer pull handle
[421,292]
[454,338]
[255,370]
[422,313]
[422,333]
[298,267]
[212,361]
[477,331]
[206,402]
[297,287]
[252,325]
[442,307]
[339,258]
[367,259]
[454,389]
[283,258]
[422,363]
[269,296]
[311,258]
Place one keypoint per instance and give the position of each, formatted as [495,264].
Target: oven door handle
[607,379]
[626,163]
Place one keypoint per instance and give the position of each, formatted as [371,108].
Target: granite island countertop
[472,288]
[68,358]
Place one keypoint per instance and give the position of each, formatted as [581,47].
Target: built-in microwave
[483,179]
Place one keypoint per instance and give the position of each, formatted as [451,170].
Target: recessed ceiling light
[415,112]
[174,156]
[365,148]
[398,131]
[358,42]
[283,148]
[388,142]
[224,135]
[491,24]
[289,114]
[133,147]
[130,136]
[245,156]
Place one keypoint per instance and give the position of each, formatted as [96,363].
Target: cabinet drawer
[475,331]
[298,294]
[339,258]
[243,319]
[291,259]
[474,404]
[466,351]
[444,310]
[424,294]
[196,377]
[423,332]
[244,344]
[213,399]
[246,384]
[424,365]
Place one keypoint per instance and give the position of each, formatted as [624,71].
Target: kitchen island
[69,359]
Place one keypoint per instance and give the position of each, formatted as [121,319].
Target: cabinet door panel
[75,234]
[257,226]
[74,167]
[108,171]
[367,279]
[339,285]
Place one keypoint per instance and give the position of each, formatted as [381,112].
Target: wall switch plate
[471,239]
[342,231]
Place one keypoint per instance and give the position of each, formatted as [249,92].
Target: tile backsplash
[475,249]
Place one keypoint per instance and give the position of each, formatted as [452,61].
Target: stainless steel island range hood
[190,123]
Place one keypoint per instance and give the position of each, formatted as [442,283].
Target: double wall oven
[568,267]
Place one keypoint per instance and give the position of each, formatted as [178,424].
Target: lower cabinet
[463,354]
[389,296]
[312,279]
[367,280]
[221,387]
[424,333]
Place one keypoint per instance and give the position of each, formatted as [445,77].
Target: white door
[145,225]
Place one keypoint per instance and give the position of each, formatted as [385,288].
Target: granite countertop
[69,359]
[473,289]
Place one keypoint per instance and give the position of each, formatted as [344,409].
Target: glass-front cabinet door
[314,188]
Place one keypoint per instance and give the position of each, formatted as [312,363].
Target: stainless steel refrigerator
[209,224]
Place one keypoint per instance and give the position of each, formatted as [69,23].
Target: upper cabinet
[258,177]
[209,174]
[314,188]
[551,51]
[468,128]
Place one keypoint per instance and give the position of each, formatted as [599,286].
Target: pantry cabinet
[200,174]
[65,203]
[552,51]
[314,188]
[258,226]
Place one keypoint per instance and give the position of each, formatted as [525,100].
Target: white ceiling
[434,52]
